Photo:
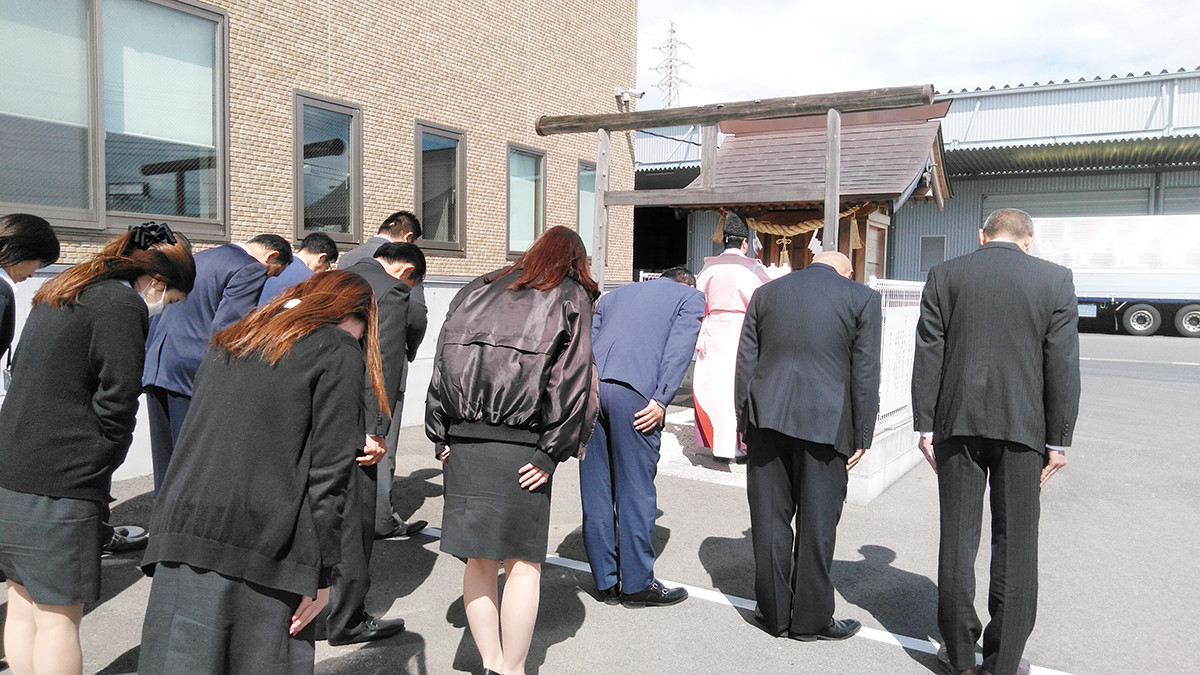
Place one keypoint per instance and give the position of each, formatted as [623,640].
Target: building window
[440,180]
[587,204]
[933,251]
[526,196]
[115,121]
[328,166]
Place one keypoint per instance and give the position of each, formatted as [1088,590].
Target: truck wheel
[1141,320]
[1187,321]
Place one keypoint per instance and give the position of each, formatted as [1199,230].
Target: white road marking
[717,597]
[1157,363]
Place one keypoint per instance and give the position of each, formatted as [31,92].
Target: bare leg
[518,612]
[19,631]
[483,609]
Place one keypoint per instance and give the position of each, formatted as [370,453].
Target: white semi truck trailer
[1138,273]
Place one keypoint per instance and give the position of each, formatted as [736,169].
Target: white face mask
[154,308]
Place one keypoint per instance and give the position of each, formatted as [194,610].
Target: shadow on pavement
[902,602]
[730,565]
[560,615]
[403,654]
[409,493]
[123,664]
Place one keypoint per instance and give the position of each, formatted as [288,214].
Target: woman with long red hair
[247,522]
[66,425]
[513,394]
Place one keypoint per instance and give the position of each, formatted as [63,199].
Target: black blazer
[392,297]
[998,349]
[808,362]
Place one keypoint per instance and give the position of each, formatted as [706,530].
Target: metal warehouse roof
[1123,154]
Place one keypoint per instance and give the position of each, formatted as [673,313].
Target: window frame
[444,248]
[300,99]
[98,219]
[539,224]
[921,252]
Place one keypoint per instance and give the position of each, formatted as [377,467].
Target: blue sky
[761,48]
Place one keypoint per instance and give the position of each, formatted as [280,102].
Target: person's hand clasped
[373,451]
[444,455]
[649,418]
[1055,460]
[308,610]
[531,477]
[854,458]
[926,446]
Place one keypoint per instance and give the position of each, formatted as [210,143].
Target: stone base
[892,454]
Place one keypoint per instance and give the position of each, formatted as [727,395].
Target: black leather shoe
[762,623]
[611,595]
[943,658]
[404,530]
[838,629]
[126,538]
[654,595]
[373,629]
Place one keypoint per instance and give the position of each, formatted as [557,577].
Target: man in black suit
[401,226]
[995,393]
[229,279]
[806,393]
[395,269]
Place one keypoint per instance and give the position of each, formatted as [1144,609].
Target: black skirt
[51,546]
[487,513]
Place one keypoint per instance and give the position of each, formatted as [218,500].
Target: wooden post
[600,219]
[708,155]
[833,179]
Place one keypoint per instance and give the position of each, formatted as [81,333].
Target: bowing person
[247,523]
[27,243]
[513,394]
[66,426]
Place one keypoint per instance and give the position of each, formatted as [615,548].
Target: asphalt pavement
[1118,553]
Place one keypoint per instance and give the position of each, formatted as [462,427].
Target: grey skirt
[51,546]
[487,514]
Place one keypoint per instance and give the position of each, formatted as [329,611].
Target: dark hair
[404,252]
[149,248]
[680,274]
[400,222]
[733,242]
[1012,222]
[276,243]
[319,242]
[320,300]
[27,237]
[557,254]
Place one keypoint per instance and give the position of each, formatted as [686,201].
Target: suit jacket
[998,349]
[644,334]
[417,310]
[293,274]
[392,296]
[808,361]
[228,283]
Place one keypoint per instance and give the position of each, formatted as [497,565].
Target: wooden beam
[600,219]
[833,179]
[719,196]
[771,108]
[708,155]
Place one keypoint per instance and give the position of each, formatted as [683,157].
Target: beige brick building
[485,71]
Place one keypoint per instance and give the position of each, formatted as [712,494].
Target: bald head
[838,261]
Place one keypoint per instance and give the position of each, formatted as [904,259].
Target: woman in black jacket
[246,525]
[27,243]
[65,427]
[512,396]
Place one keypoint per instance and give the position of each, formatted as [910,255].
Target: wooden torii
[708,116]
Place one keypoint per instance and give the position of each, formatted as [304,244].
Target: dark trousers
[385,518]
[165,410]
[788,478]
[198,621]
[966,466]
[616,483]
[351,581]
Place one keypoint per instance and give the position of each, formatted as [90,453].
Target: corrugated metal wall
[1097,195]
[701,227]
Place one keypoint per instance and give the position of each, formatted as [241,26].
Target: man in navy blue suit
[229,280]
[643,336]
[317,253]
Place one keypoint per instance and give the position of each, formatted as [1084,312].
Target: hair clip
[150,234]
